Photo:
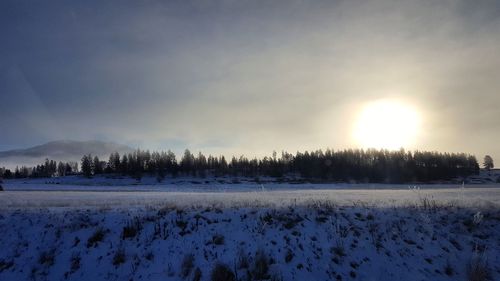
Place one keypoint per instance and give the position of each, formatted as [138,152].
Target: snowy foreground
[282,234]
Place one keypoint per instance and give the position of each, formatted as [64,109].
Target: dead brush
[75,262]
[428,204]
[323,207]
[131,229]
[119,257]
[260,269]
[4,265]
[478,269]
[218,239]
[222,272]
[187,265]
[288,256]
[242,262]
[96,237]
[47,258]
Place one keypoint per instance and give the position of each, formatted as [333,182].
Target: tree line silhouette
[49,168]
[352,165]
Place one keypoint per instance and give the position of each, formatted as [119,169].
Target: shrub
[339,251]
[75,262]
[456,244]
[448,270]
[149,256]
[261,266]
[97,237]
[222,272]
[131,229]
[218,239]
[288,256]
[4,265]
[181,224]
[119,257]
[242,260]
[187,265]
[197,274]
[76,241]
[290,221]
[47,258]
[478,270]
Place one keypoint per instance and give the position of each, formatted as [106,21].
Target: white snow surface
[306,232]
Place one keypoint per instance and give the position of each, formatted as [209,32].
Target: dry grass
[187,265]
[222,272]
[478,269]
[119,257]
[97,237]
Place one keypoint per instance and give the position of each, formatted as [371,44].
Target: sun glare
[386,124]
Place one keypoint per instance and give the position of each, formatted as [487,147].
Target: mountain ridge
[60,150]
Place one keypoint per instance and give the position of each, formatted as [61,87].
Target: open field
[275,233]
[25,195]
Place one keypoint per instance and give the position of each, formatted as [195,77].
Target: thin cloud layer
[247,76]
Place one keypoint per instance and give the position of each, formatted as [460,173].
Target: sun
[387,124]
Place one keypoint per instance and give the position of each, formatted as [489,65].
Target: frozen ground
[270,232]
[210,184]
[468,197]
[318,240]
[105,192]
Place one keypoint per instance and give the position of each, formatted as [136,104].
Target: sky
[248,77]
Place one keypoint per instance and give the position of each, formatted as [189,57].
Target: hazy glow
[386,124]
[249,77]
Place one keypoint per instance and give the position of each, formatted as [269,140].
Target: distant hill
[66,150]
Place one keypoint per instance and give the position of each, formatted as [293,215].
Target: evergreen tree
[352,165]
[488,163]
[124,167]
[68,168]
[187,162]
[86,165]
[7,174]
[114,162]
[61,169]
[97,166]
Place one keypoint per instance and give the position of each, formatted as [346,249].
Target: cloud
[252,76]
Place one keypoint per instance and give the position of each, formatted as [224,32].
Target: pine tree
[87,166]
[61,169]
[114,162]
[488,163]
[187,162]
[7,174]
[97,166]
[124,165]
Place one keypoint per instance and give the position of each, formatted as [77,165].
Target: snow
[209,184]
[475,197]
[328,232]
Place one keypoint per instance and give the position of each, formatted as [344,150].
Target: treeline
[48,169]
[376,166]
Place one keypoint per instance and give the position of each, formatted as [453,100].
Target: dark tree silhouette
[97,166]
[488,162]
[351,165]
[87,165]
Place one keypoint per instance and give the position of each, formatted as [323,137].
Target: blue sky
[246,76]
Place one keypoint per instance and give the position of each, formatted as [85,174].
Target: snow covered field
[468,197]
[104,192]
[248,231]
